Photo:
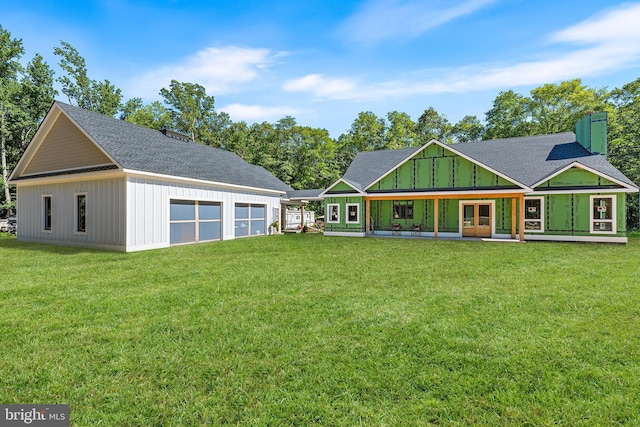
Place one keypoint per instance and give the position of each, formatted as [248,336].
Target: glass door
[476,220]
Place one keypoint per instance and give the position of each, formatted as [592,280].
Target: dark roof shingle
[142,149]
[527,160]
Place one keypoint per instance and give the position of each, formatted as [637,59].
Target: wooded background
[302,156]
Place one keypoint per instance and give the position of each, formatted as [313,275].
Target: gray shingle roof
[532,159]
[368,166]
[527,160]
[304,194]
[142,149]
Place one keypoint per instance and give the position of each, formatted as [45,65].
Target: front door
[476,220]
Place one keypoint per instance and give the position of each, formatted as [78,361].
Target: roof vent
[176,135]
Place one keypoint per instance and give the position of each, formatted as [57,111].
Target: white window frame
[357,205]
[44,214]
[592,220]
[330,206]
[76,218]
[541,220]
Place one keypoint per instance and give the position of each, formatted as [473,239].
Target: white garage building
[91,180]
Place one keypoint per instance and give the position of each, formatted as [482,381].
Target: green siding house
[548,187]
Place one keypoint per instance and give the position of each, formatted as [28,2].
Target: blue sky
[323,62]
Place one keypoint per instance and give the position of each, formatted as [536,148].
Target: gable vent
[176,135]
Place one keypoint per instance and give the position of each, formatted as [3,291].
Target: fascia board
[43,131]
[589,190]
[36,141]
[588,169]
[450,194]
[344,181]
[464,156]
[97,144]
[143,174]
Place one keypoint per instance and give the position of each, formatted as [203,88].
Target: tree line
[301,156]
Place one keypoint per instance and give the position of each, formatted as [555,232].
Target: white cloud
[258,113]
[384,19]
[597,46]
[323,87]
[219,70]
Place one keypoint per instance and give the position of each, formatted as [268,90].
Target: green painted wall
[341,187]
[448,215]
[342,226]
[576,177]
[435,168]
[569,214]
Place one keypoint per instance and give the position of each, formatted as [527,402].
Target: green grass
[309,330]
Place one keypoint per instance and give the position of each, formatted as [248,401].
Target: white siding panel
[105,213]
[149,208]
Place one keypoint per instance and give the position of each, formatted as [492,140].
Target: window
[81,213]
[533,214]
[333,213]
[46,207]
[603,218]
[194,221]
[250,219]
[353,213]
[403,209]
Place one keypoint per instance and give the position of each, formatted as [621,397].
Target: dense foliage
[302,156]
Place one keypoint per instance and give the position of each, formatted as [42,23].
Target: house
[294,219]
[548,187]
[90,180]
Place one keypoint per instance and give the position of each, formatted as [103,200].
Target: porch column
[435,218]
[367,219]
[301,216]
[522,218]
[513,217]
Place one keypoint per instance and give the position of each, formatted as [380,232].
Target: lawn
[310,330]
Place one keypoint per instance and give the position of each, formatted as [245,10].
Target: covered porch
[491,215]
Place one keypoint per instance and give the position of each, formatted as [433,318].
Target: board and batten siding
[105,212]
[148,208]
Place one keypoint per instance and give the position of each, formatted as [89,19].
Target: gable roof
[533,159]
[368,166]
[527,160]
[136,148]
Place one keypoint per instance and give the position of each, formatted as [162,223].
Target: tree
[509,117]
[11,51]
[36,96]
[467,129]
[190,107]
[556,108]
[624,142]
[433,125]
[153,116]
[101,97]
[400,132]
